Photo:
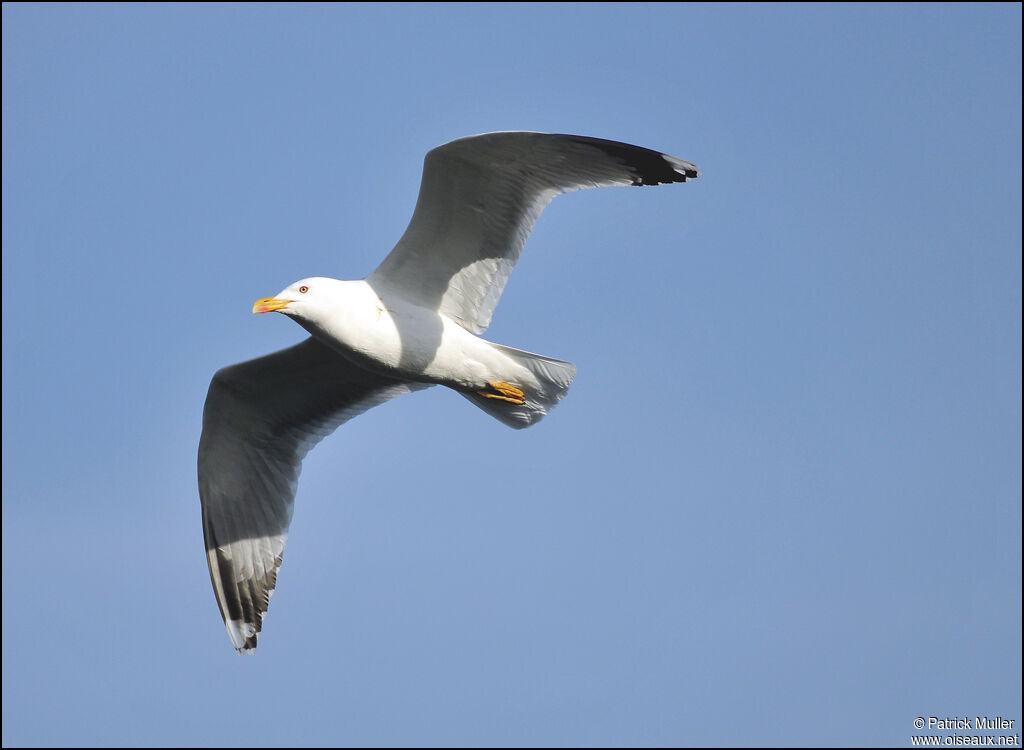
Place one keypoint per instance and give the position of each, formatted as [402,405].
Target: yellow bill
[270,304]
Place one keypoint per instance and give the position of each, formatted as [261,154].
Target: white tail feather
[554,375]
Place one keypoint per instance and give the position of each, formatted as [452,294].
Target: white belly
[413,343]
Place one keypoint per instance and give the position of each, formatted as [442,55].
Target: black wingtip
[649,167]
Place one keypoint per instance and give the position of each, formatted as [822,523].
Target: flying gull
[412,323]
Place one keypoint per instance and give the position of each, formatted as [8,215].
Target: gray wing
[261,418]
[479,199]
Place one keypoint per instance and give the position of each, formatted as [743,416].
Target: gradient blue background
[781,505]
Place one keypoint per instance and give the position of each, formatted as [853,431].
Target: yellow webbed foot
[504,392]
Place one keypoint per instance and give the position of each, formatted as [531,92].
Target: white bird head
[307,299]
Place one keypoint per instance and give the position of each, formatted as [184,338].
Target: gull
[413,323]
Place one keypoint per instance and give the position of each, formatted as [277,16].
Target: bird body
[412,323]
[395,337]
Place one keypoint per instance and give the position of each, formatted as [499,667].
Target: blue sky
[781,504]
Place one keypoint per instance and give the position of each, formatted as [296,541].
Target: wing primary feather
[649,167]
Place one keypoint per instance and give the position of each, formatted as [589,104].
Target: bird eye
[303,289]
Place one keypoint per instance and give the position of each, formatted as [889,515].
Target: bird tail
[521,408]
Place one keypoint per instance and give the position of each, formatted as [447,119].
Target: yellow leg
[504,392]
